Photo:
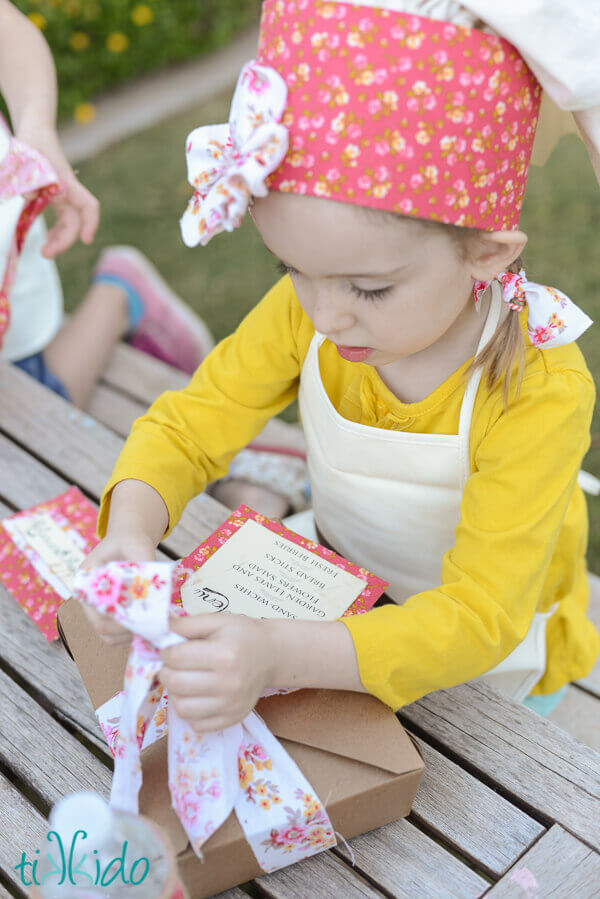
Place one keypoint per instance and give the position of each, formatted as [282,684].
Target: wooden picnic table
[509,803]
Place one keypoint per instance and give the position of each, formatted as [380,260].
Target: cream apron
[390,500]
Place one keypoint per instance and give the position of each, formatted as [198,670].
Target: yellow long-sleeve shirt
[520,544]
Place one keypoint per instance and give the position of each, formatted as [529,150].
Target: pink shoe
[166,328]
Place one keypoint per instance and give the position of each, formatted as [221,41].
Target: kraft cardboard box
[352,748]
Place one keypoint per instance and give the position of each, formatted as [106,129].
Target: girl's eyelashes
[360,292]
[377,294]
[284,269]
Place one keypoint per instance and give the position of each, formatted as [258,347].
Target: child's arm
[28,84]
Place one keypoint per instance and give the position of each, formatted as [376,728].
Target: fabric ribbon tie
[23,173]
[242,768]
[552,318]
[228,164]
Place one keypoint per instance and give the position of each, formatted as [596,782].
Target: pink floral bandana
[242,768]
[23,172]
[401,112]
[552,318]
[384,109]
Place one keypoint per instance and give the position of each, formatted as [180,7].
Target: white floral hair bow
[242,768]
[552,318]
[228,164]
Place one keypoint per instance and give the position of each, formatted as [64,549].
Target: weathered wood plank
[23,829]
[41,753]
[321,875]
[23,480]
[579,714]
[51,676]
[470,817]
[235,893]
[141,376]
[407,863]
[535,764]
[84,451]
[114,409]
[558,865]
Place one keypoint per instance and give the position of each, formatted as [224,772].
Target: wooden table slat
[41,753]
[51,675]
[140,376]
[22,829]
[322,875]
[407,863]
[535,764]
[470,817]
[558,865]
[114,409]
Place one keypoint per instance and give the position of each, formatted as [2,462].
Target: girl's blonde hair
[503,358]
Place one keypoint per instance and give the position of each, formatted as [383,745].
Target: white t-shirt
[36,301]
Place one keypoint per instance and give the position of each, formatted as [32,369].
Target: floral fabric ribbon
[227,164]
[552,318]
[23,173]
[242,768]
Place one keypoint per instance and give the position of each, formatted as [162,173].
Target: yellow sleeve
[512,510]
[188,437]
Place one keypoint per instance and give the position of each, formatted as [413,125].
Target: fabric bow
[227,164]
[23,173]
[552,318]
[242,768]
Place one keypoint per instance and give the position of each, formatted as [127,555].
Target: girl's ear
[490,253]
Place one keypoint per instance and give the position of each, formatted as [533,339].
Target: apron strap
[468,403]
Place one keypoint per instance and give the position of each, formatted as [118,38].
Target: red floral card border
[374,586]
[72,511]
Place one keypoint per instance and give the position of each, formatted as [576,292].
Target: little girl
[445,404]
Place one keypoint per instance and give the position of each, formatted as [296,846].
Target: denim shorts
[36,367]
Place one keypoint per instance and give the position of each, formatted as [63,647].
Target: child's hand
[215,678]
[77,210]
[114,548]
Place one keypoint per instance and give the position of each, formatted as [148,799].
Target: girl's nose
[330,313]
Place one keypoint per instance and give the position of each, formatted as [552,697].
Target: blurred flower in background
[98,44]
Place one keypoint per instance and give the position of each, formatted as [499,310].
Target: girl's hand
[114,548]
[215,678]
[77,210]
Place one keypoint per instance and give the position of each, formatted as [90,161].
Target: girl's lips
[354,353]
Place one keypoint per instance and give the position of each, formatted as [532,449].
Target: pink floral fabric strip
[23,172]
[401,112]
[552,318]
[242,768]
[227,164]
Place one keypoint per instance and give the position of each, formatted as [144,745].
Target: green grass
[143,190]
[149,35]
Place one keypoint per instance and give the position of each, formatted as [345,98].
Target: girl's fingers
[195,655]
[187,683]
[199,710]
[90,216]
[64,232]
[198,626]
